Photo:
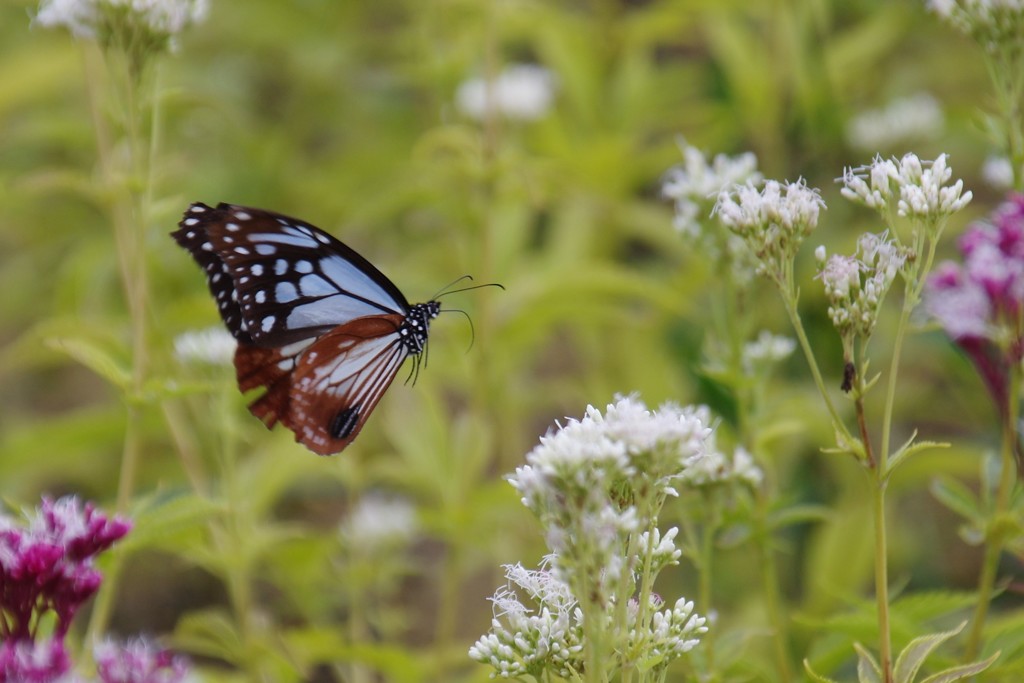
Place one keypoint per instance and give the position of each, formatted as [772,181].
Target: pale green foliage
[344,113]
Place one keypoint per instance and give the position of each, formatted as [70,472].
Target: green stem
[789,298]
[643,599]
[452,589]
[879,483]
[130,225]
[914,284]
[862,425]
[230,537]
[104,75]
[705,583]
[1006,72]
[358,629]
[772,597]
[882,579]
[996,536]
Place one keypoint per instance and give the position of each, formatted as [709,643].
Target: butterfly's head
[416,326]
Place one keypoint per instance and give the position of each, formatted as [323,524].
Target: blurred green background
[344,114]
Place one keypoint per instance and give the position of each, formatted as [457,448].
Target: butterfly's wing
[287,280]
[316,323]
[325,393]
[193,236]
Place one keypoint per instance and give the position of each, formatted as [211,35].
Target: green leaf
[818,678]
[956,496]
[847,445]
[98,359]
[160,518]
[958,672]
[211,633]
[798,514]
[648,663]
[909,448]
[733,536]
[913,656]
[868,670]
[927,606]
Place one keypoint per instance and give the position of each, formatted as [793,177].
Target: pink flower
[23,661]
[138,661]
[980,303]
[49,565]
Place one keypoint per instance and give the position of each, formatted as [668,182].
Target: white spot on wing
[268,323]
[297,347]
[280,267]
[256,269]
[265,249]
[303,266]
[261,296]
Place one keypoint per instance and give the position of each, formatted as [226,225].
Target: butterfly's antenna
[443,292]
[472,332]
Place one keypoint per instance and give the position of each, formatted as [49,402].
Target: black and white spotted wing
[318,326]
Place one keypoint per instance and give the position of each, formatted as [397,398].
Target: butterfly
[318,327]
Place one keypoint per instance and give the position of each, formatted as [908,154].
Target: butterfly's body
[317,325]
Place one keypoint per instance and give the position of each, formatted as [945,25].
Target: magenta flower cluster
[47,573]
[138,661]
[48,566]
[27,661]
[979,302]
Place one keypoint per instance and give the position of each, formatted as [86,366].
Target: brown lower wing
[257,367]
[325,393]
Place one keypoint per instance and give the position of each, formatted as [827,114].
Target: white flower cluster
[213,345]
[773,220]
[694,185]
[585,483]
[993,23]
[998,172]
[548,636]
[521,92]
[627,441]
[87,18]
[856,285]
[378,521]
[662,548]
[917,117]
[766,350]
[919,188]
[673,631]
[716,468]
[525,640]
